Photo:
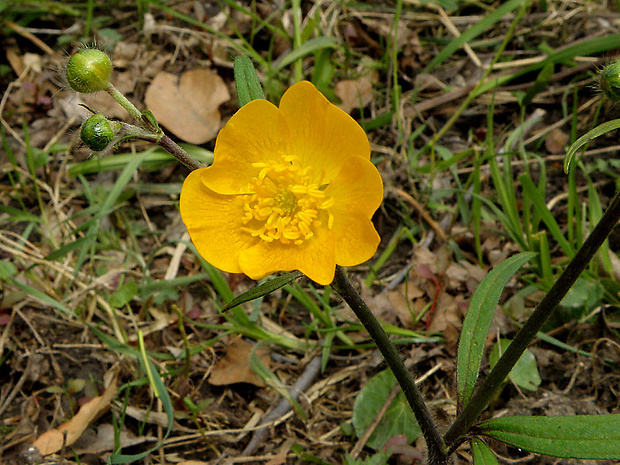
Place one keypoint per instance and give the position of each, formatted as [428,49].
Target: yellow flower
[290,188]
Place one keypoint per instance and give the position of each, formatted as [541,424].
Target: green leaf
[540,207]
[398,418]
[540,84]
[478,321]
[7,270]
[307,48]
[124,294]
[525,372]
[475,30]
[160,391]
[149,119]
[266,288]
[604,128]
[588,437]
[482,454]
[246,81]
[154,158]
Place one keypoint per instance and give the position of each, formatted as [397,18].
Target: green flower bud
[97,132]
[89,71]
[609,81]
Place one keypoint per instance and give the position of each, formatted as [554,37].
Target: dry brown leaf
[66,434]
[556,141]
[354,93]
[104,440]
[234,367]
[188,106]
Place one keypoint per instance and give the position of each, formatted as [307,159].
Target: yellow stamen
[286,202]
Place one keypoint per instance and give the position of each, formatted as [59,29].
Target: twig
[303,382]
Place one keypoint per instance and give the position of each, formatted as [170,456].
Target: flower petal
[214,223]
[315,258]
[358,186]
[321,134]
[357,192]
[356,238]
[229,177]
[256,133]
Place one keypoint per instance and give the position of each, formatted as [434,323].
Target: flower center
[285,204]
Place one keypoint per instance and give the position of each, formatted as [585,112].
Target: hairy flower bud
[89,71]
[609,81]
[97,132]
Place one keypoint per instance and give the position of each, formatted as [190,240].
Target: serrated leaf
[398,419]
[525,372]
[478,321]
[482,454]
[266,288]
[587,437]
[246,81]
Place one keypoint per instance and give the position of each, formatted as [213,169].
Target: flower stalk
[493,382]
[437,451]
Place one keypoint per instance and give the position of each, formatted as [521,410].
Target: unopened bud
[97,132]
[89,71]
[609,81]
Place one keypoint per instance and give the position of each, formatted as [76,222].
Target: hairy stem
[489,388]
[436,447]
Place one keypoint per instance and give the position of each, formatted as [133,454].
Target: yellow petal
[214,223]
[228,176]
[356,239]
[358,186]
[315,258]
[321,134]
[357,192]
[256,133]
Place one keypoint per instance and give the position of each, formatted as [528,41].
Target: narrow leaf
[482,454]
[159,388]
[246,81]
[311,46]
[604,128]
[540,207]
[588,437]
[263,289]
[478,321]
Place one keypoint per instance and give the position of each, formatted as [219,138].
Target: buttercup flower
[290,188]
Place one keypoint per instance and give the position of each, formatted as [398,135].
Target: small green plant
[290,218]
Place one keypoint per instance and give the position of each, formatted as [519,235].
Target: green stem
[436,447]
[124,102]
[164,142]
[491,385]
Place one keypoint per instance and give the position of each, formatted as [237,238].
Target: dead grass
[91,262]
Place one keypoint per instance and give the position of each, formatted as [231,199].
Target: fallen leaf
[105,440]
[188,106]
[68,433]
[234,367]
[354,93]
[556,141]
